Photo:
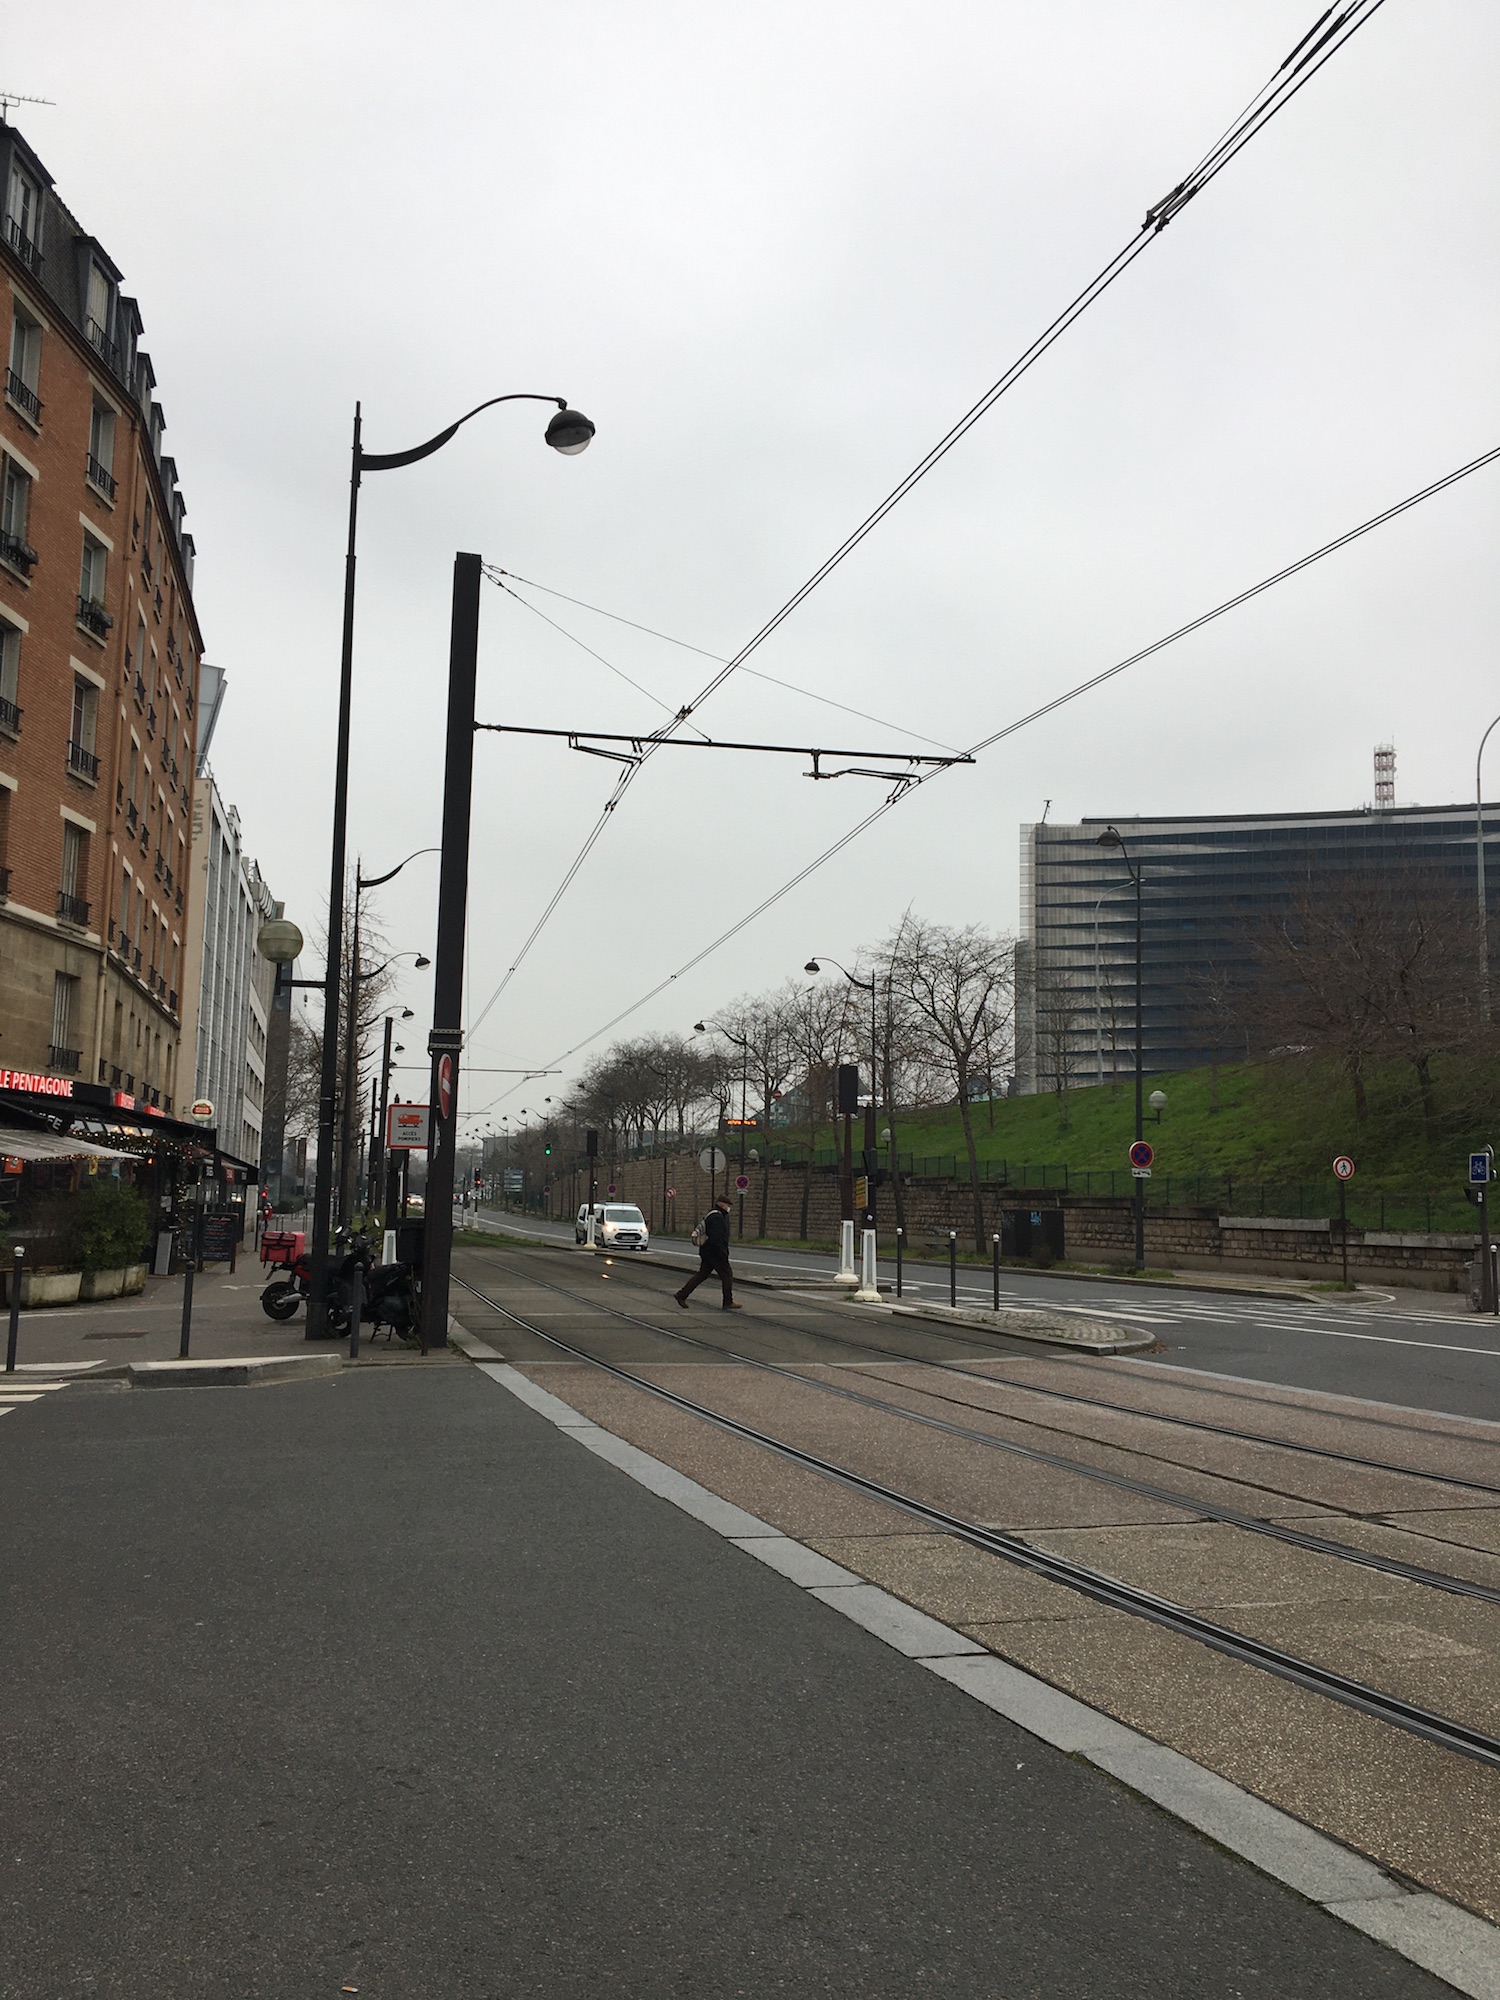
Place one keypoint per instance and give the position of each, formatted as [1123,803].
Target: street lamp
[1112,837]
[1484,922]
[867,986]
[568,432]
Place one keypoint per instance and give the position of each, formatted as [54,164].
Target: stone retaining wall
[1099,1229]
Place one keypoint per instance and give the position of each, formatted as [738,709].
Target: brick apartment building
[99,671]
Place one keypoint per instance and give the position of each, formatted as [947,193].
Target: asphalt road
[1420,1350]
[382,1683]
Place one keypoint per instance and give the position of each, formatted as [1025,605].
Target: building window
[15,514]
[92,615]
[72,904]
[62,1055]
[10,680]
[23,218]
[81,759]
[99,464]
[99,316]
[25,365]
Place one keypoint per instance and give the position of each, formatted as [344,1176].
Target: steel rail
[1455,1586]
[1441,1730]
[975,1334]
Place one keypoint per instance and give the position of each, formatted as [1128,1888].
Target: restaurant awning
[19,1144]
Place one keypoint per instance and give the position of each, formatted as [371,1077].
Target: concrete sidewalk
[379,1683]
[228,1321]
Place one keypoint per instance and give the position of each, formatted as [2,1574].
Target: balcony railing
[131,815]
[103,1069]
[18,552]
[122,946]
[4,881]
[93,617]
[135,958]
[172,999]
[72,910]
[129,1084]
[83,763]
[99,476]
[114,1076]
[24,397]
[100,341]
[10,716]
[161,864]
[63,1059]
[139,692]
[151,720]
[23,245]
[178,902]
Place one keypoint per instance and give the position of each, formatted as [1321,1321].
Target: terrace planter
[102,1284]
[47,1288]
[135,1279]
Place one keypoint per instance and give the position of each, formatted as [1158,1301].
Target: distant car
[414,1204]
[618,1224]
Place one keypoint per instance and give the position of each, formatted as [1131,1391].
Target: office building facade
[1208,886]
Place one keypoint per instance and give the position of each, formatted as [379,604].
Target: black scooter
[391,1291]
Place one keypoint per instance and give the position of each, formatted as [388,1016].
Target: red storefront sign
[41,1086]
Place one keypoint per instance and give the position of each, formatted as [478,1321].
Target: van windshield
[623,1215]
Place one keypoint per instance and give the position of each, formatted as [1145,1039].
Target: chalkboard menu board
[219,1237]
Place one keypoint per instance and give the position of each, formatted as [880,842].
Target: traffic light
[547,1149]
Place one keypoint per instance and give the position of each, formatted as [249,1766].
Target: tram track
[1444,1731]
[974,1336]
[1442,1580]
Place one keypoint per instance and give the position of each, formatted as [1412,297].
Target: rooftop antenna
[10,97]
[1385,776]
[1046,808]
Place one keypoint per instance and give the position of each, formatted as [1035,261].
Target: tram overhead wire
[1329,33]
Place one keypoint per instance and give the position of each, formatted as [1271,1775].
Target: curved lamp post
[569,432]
[867,986]
[1112,837]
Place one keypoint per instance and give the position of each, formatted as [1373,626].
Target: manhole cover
[119,1333]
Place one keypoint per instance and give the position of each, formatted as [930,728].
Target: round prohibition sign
[1343,1166]
[1142,1153]
[742,1182]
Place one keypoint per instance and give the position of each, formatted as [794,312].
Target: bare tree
[814,1018]
[1059,1008]
[961,987]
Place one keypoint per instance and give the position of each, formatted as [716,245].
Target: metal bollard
[356,1308]
[15,1310]
[187,1309]
[900,1245]
[997,1273]
[953,1267]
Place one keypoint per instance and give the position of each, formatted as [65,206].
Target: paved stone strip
[1437,1935]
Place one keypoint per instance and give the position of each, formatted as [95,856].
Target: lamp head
[422,963]
[279,940]
[699,1028]
[569,432]
[1109,838]
[812,965]
[406,1014]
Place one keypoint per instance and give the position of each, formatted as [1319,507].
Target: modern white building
[229,901]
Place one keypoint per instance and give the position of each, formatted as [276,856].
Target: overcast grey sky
[774,251]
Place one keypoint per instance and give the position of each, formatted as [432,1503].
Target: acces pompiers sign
[41,1086]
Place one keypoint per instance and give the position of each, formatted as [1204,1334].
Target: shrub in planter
[108,1225]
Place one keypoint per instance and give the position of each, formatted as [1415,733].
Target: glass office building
[1208,885]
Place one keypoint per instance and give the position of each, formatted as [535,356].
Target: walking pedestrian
[713,1256]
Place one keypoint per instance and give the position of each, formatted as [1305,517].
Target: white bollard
[869,1290]
[588,1231]
[846,1273]
[388,1247]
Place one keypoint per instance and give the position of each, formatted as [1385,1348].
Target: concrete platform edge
[1441,1937]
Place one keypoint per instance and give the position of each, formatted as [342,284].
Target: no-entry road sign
[1142,1153]
[1343,1166]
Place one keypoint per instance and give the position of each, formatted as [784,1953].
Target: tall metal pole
[377,1175]
[317,1302]
[1484,929]
[351,1066]
[446,1040]
[1140,1185]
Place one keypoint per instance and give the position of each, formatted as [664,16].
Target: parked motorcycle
[390,1290]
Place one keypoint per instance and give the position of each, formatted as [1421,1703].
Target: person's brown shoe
[734,1306]
[680,1300]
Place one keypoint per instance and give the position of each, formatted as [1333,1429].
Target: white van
[616,1223]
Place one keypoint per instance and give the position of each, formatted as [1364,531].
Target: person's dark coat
[716,1230]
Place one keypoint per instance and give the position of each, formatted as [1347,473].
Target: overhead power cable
[1329,33]
[1035,715]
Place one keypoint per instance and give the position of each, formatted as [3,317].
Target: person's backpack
[700,1235]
